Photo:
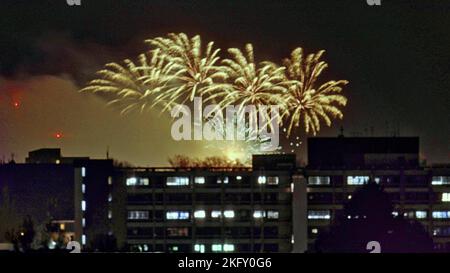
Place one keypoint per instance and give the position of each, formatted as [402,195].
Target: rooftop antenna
[12,158]
[341,131]
[107,152]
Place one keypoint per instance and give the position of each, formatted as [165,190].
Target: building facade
[338,166]
[274,206]
[207,210]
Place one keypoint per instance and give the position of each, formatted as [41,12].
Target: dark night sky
[396,57]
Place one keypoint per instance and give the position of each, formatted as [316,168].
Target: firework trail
[306,101]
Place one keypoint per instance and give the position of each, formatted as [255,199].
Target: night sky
[396,58]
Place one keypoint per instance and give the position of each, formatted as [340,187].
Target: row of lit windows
[201,214]
[202,248]
[184,180]
[419,214]
[364,179]
[441,214]
[319,214]
[326,180]
[440,180]
[215,248]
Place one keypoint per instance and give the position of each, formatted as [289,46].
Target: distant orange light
[16,104]
[58,135]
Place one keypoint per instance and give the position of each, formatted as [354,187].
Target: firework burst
[177,69]
[196,71]
[305,100]
[132,86]
[250,83]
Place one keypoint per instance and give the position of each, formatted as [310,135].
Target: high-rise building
[338,166]
[166,209]
[209,209]
[273,206]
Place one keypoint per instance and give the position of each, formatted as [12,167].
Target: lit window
[228,247]
[109,214]
[357,180]
[292,187]
[199,248]
[228,214]
[216,214]
[200,214]
[319,180]
[314,231]
[272,214]
[177,215]
[349,196]
[83,222]
[409,214]
[261,180]
[83,239]
[133,181]
[377,180]
[445,197]
[440,180]
[177,181]
[216,247]
[109,180]
[421,214]
[200,180]
[272,180]
[238,177]
[223,180]
[83,205]
[395,213]
[138,215]
[83,172]
[441,214]
[259,214]
[319,214]
[110,197]
[62,226]
[83,188]
[57,161]
[144,181]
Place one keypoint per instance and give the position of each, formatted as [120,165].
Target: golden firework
[249,83]
[196,71]
[134,86]
[178,68]
[305,100]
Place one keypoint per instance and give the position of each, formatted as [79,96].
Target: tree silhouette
[22,238]
[183,161]
[368,217]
